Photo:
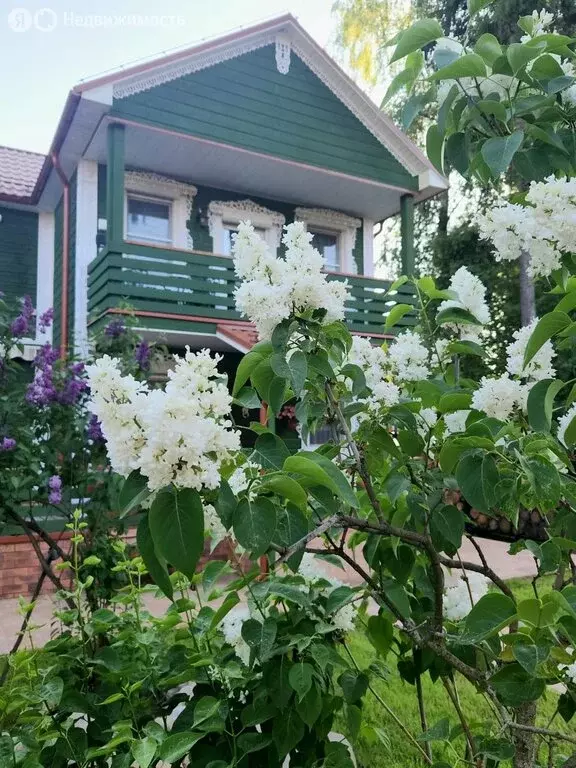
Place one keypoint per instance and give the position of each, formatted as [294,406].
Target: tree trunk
[524,741]
[527,295]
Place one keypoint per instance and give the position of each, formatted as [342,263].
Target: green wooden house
[153,167]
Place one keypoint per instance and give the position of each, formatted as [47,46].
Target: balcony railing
[199,284]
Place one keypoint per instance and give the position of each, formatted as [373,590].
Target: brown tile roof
[243,334]
[19,171]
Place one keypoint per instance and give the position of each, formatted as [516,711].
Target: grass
[395,749]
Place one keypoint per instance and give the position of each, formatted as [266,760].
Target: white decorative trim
[195,63]
[368,247]
[341,224]
[222,212]
[45,272]
[180,193]
[318,61]
[283,48]
[86,230]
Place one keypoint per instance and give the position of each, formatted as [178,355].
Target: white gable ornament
[283,49]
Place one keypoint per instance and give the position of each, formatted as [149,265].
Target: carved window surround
[179,193]
[344,226]
[232,212]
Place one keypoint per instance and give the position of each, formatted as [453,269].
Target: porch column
[115,186]
[407,233]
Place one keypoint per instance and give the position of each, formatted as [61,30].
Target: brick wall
[20,569]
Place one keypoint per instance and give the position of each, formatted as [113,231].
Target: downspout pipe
[65,255]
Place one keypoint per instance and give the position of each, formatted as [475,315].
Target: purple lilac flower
[142,354]
[21,325]
[45,320]
[115,329]
[55,487]
[7,444]
[95,429]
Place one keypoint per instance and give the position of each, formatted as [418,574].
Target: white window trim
[222,213]
[345,227]
[162,189]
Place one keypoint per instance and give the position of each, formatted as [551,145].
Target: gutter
[65,254]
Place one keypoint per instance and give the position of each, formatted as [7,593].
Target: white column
[368,247]
[86,230]
[45,272]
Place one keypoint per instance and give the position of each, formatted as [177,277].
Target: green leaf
[338,598]
[380,633]
[176,521]
[134,491]
[155,565]
[288,592]
[300,678]
[546,328]
[291,526]
[528,654]
[456,315]
[421,33]
[254,524]
[469,65]
[519,55]
[456,152]
[285,486]
[476,5]
[440,731]
[176,746]
[455,401]
[287,730]
[536,613]
[435,147]
[230,602]
[495,108]
[354,685]
[498,152]
[252,742]
[144,751]
[477,477]
[397,313]
[321,471]
[404,79]
[298,367]
[448,521]
[514,685]
[260,636]
[206,708]
[541,403]
[488,47]
[491,613]
[226,504]
[7,757]
[249,362]
[212,572]
[270,451]
[310,707]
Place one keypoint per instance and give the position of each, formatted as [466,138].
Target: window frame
[169,203]
[227,214]
[334,222]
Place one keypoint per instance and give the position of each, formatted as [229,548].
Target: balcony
[179,286]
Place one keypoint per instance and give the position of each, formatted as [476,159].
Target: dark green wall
[58,221]
[18,253]
[247,103]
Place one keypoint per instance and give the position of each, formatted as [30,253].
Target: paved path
[496,552]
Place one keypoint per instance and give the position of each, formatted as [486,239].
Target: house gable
[246,102]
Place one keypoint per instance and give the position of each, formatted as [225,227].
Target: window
[148,219]
[327,244]
[227,241]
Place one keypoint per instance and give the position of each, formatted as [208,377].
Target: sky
[48,46]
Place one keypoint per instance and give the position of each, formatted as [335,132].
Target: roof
[19,171]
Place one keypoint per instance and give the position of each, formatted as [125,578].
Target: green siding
[18,253]
[58,223]
[247,103]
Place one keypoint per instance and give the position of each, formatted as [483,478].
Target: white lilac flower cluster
[406,360]
[344,620]
[240,479]
[213,526]
[272,289]
[456,421]
[471,295]
[498,397]
[540,23]
[179,435]
[231,626]
[570,669]
[545,228]
[457,601]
